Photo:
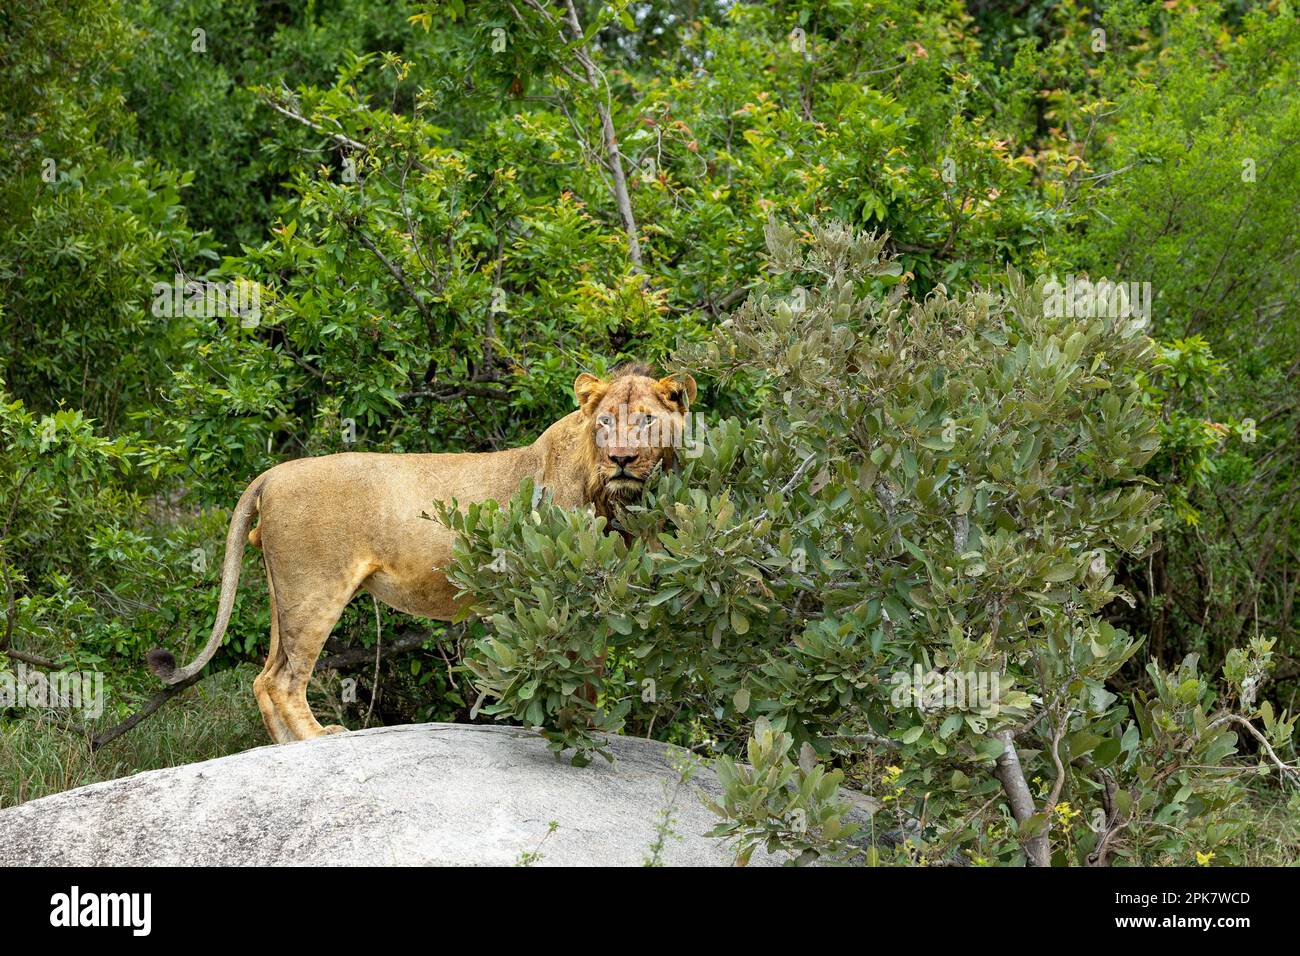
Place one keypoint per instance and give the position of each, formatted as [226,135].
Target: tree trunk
[1012,776]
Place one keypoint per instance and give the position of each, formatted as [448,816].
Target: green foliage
[777,804]
[540,658]
[943,485]
[1189,183]
[951,495]
[95,573]
[908,463]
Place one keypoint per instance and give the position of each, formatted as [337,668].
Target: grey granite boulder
[423,794]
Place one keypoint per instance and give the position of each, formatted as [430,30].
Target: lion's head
[632,422]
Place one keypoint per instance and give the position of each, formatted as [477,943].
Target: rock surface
[422,794]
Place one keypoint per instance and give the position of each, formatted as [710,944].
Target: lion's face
[633,422]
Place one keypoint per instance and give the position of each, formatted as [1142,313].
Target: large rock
[412,795]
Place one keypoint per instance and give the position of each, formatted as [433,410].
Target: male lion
[332,526]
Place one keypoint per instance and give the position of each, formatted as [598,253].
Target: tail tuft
[162,663]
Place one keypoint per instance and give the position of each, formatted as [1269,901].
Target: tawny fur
[333,526]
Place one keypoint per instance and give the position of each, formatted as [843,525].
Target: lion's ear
[589,390]
[678,391]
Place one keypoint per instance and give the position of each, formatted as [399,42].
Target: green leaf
[990,748]
[1061,572]
[665,595]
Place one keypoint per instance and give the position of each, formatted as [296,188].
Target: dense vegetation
[842,218]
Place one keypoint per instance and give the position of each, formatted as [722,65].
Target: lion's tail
[163,663]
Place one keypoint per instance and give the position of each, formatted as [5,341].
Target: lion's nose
[622,460]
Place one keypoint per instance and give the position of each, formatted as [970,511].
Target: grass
[218,716]
[39,755]
[1272,836]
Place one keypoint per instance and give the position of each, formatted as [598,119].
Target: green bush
[939,486]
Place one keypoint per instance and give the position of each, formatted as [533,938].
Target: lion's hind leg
[305,613]
[265,681]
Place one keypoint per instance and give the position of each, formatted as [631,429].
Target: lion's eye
[605,421]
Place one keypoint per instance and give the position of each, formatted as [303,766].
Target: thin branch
[614,156]
[396,271]
[32,659]
[4,563]
[408,641]
[1288,772]
[1059,783]
[456,389]
[875,739]
[354,656]
[1100,855]
[148,710]
[339,138]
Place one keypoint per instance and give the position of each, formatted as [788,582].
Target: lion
[332,526]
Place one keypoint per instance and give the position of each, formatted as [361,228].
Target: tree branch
[4,562]
[396,271]
[1287,771]
[32,659]
[613,155]
[1101,853]
[449,389]
[355,656]
[144,713]
[407,641]
[338,138]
